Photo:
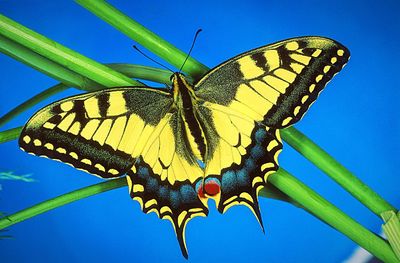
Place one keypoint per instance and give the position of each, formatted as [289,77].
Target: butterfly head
[180,86]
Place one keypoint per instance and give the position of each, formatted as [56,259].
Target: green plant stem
[9,135]
[143,36]
[336,171]
[143,72]
[60,201]
[62,55]
[391,228]
[44,65]
[332,215]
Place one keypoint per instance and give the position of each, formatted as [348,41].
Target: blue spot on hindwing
[143,172]
[250,165]
[163,192]
[201,164]
[229,181]
[257,152]
[151,184]
[198,185]
[188,194]
[213,179]
[175,199]
[243,177]
[260,135]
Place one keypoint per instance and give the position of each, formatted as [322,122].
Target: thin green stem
[330,214]
[143,72]
[60,201]
[9,135]
[336,171]
[62,55]
[144,36]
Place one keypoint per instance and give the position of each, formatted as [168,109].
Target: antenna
[158,63]
[190,50]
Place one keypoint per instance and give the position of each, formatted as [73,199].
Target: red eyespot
[211,188]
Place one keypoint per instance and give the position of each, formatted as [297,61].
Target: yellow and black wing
[245,100]
[133,131]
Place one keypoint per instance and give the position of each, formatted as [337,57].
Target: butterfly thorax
[186,103]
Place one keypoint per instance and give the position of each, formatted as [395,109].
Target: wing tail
[178,202]
[241,182]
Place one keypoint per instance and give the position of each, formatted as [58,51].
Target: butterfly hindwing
[241,154]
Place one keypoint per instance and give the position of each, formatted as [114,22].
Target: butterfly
[215,139]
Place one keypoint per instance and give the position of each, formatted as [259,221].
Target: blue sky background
[355,119]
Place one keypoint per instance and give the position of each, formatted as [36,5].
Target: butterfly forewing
[97,131]
[275,84]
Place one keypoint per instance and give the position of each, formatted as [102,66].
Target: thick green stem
[44,65]
[144,36]
[336,171]
[62,55]
[60,201]
[332,215]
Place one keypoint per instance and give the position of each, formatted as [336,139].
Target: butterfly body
[186,103]
[218,138]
